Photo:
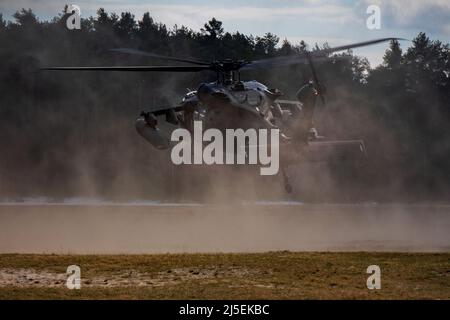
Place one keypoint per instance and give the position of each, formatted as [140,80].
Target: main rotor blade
[318,55]
[153,55]
[275,62]
[134,68]
[286,61]
[351,46]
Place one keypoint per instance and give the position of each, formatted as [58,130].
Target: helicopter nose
[204,91]
[206,94]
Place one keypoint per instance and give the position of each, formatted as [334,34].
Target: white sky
[334,21]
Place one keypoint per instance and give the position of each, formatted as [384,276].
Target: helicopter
[230,103]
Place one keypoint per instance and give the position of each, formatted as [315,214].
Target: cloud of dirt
[154,228]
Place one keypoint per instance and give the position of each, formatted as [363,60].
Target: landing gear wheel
[288,187]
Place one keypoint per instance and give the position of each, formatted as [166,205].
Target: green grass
[274,275]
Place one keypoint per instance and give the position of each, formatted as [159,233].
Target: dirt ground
[25,278]
[273,275]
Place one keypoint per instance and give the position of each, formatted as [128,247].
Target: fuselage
[243,104]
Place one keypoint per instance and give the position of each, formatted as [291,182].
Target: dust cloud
[146,227]
[72,135]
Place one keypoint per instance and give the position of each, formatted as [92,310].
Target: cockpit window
[253,98]
[240,96]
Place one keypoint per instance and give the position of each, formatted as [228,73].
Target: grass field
[274,275]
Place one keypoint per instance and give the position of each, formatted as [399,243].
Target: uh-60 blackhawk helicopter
[229,103]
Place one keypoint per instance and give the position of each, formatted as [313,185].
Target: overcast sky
[334,21]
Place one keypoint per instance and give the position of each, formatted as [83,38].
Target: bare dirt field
[114,228]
